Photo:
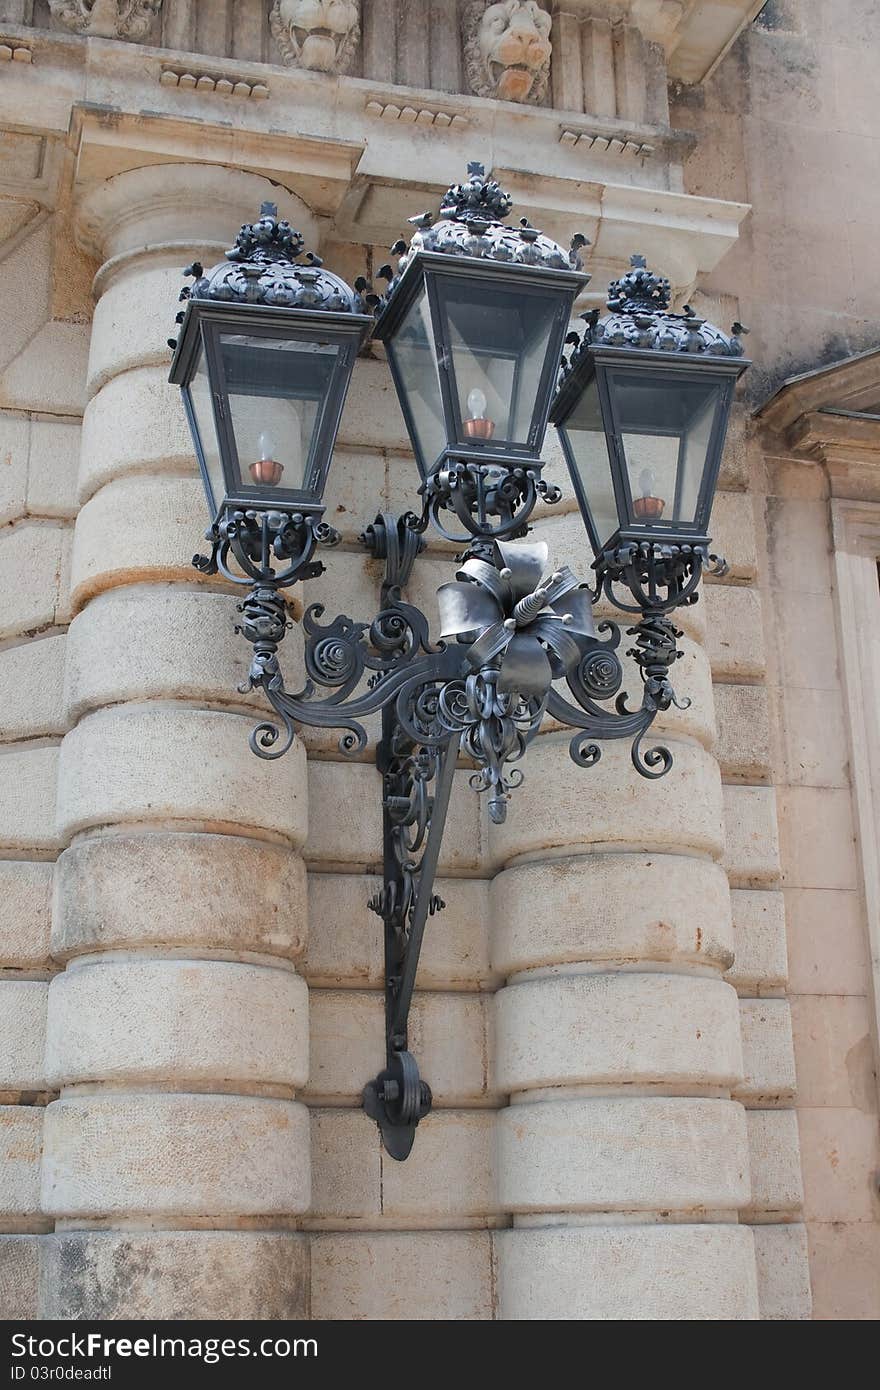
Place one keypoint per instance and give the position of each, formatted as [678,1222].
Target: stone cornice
[823,417]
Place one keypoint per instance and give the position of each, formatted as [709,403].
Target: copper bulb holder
[648,508]
[479,429]
[266,472]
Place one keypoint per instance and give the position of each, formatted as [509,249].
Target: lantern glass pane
[589,465]
[202,405]
[666,428]
[414,356]
[499,338]
[276,389]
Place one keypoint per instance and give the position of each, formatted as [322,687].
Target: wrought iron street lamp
[474,322]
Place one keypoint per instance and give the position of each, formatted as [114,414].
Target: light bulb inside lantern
[648,507]
[477,426]
[266,471]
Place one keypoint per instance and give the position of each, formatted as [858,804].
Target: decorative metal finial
[471,224]
[640,317]
[262,268]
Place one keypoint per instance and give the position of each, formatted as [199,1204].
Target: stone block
[19,1276]
[161,762]
[775,1164]
[32,689]
[346,938]
[844,1259]
[835,1054]
[14,443]
[345,820]
[627,1273]
[137,529]
[31,568]
[346,1169]
[372,414]
[742,717]
[760,963]
[752,855]
[781,1254]
[768,1053]
[436,1276]
[449,1034]
[49,375]
[163,1155]
[605,1153]
[611,804]
[156,438]
[180,644]
[222,1276]
[26,894]
[817,838]
[194,1024]
[827,941]
[132,317]
[22,1036]
[229,893]
[734,631]
[733,532]
[618,1028]
[27,823]
[613,908]
[21,1139]
[53,466]
[448,1176]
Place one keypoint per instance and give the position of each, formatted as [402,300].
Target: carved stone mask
[507,49]
[110,19]
[318,34]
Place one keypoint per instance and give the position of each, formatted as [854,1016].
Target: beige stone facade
[649,1011]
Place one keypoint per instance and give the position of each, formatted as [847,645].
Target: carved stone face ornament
[109,19]
[321,35]
[507,49]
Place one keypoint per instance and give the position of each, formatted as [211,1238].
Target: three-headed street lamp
[474,322]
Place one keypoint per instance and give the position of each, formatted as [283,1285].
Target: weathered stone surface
[235,1276]
[175,1155]
[346,939]
[22,1035]
[156,438]
[27,822]
[180,643]
[752,854]
[760,963]
[135,529]
[161,762]
[31,576]
[734,631]
[610,907]
[641,1273]
[14,442]
[622,1154]
[742,715]
[31,689]
[617,1028]
[53,464]
[26,894]
[783,1273]
[218,891]
[21,1138]
[768,1052]
[19,1276]
[611,804]
[194,1023]
[774,1161]
[733,532]
[438,1276]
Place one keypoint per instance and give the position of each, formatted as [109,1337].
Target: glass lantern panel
[499,338]
[665,427]
[415,360]
[276,389]
[590,467]
[202,408]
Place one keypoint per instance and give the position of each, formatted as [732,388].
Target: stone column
[621,1156]
[176,1158]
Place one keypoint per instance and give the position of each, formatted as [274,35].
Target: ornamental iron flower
[530,625]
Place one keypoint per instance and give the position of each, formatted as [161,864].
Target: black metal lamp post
[474,323]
